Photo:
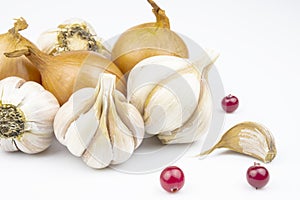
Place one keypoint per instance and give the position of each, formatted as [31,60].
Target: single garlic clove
[8,145]
[121,137]
[81,132]
[99,153]
[167,106]
[248,138]
[131,117]
[34,141]
[80,102]
[197,126]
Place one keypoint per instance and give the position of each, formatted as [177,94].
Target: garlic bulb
[72,34]
[27,111]
[173,97]
[99,125]
[146,40]
[20,66]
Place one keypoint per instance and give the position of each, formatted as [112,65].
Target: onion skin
[20,66]
[69,71]
[146,40]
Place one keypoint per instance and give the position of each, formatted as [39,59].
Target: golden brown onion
[67,72]
[20,66]
[146,40]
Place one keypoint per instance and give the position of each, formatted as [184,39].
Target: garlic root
[248,138]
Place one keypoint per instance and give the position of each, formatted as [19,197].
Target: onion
[20,66]
[69,71]
[146,40]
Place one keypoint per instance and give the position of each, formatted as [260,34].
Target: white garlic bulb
[72,34]
[173,96]
[99,125]
[27,111]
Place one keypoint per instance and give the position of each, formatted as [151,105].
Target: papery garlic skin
[27,112]
[173,96]
[99,125]
[73,34]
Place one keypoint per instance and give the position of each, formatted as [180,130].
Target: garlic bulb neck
[162,20]
[12,121]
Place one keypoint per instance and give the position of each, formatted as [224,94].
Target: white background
[259,42]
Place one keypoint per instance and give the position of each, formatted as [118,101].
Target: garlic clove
[131,117]
[81,132]
[34,142]
[121,137]
[40,110]
[99,154]
[8,91]
[79,102]
[8,145]
[169,98]
[197,126]
[249,138]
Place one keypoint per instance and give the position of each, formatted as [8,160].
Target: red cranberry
[230,103]
[257,176]
[172,179]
